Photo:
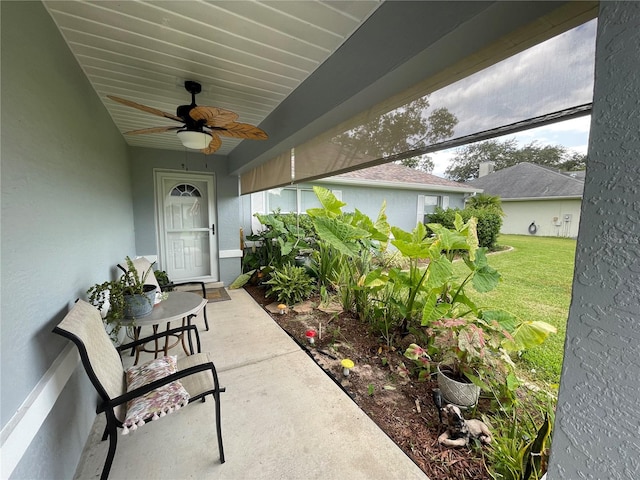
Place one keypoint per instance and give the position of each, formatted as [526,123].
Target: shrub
[483,201]
[283,236]
[290,284]
[488,226]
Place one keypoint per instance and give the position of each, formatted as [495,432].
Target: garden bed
[401,406]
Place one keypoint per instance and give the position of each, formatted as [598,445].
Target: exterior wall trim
[530,199]
[398,185]
[230,253]
[20,431]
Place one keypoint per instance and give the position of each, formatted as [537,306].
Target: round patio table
[181,306]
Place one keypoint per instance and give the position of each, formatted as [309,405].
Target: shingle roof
[394,173]
[528,180]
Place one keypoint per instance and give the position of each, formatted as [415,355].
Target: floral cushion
[158,402]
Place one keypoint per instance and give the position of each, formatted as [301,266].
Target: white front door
[186,224]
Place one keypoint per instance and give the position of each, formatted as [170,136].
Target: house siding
[549,216]
[401,203]
[66,221]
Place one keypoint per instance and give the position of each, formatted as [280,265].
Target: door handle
[213,229]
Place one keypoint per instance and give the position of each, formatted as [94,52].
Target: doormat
[214,294]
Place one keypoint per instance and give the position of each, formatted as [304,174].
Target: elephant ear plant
[428,289]
[346,244]
[431,297]
[281,238]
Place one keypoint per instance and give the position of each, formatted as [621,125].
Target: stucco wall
[401,204]
[598,419]
[549,217]
[66,220]
[226,191]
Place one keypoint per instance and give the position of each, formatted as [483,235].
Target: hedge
[489,223]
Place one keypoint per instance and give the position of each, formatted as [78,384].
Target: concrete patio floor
[282,417]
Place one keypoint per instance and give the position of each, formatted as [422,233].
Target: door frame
[181,175]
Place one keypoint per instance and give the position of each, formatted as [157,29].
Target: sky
[549,77]
[572,134]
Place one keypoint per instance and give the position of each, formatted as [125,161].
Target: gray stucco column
[597,429]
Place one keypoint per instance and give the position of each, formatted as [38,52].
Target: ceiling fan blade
[214,144]
[144,108]
[242,130]
[152,130]
[213,116]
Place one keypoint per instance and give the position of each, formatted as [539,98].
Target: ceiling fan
[202,126]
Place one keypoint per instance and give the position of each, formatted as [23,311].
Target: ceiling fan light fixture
[194,140]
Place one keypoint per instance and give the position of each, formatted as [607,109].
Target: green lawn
[537,275]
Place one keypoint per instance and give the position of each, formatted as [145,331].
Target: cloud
[551,76]
[441,160]
[572,133]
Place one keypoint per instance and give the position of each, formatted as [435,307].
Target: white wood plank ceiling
[248,55]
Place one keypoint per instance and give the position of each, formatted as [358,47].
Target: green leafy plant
[472,349]
[279,241]
[421,359]
[133,282]
[473,342]
[163,280]
[488,223]
[290,284]
[484,201]
[477,349]
[428,289]
[326,266]
[383,318]
[521,438]
[346,245]
[111,295]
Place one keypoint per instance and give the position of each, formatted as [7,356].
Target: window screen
[547,82]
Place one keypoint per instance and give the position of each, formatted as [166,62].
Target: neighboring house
[409,194]
[536,200]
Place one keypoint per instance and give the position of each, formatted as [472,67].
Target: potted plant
[471,356]
[162,277]
[126,298]
[471,342]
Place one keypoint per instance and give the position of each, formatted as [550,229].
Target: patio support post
[596,428]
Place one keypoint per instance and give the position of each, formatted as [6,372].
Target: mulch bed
[401,406]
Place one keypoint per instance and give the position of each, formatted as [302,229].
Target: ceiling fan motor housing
[183,110]
[192,87]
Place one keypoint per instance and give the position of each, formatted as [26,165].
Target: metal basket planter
[140,305]
[462,394]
